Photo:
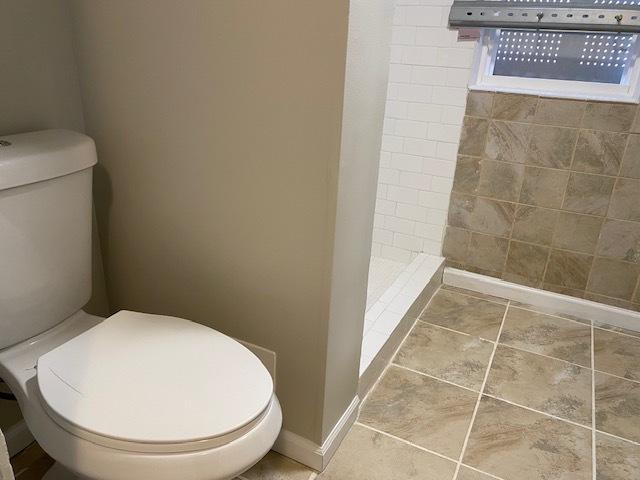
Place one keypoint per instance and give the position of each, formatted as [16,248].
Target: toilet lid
[154,379]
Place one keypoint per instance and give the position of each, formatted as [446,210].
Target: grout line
[523,306]
[593,406]
[382,432]
[605,328]
[433,377]
[477,406]
[633,442]
[455,331]
[477,297]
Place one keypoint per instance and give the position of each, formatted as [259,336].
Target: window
[573,64]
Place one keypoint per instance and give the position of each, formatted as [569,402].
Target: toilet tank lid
[36,156]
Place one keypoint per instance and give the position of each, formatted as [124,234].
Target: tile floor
[487,389]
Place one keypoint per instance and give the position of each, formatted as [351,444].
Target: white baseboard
[311,454]
[18,437]
[555,302]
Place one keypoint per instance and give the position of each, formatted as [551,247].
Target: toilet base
[58,472]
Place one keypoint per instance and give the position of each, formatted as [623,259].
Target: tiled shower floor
[484,389]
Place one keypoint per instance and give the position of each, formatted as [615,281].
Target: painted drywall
[364,99]
[425,104]
[39,89]
[218,127]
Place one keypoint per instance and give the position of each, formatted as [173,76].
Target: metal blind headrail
[598,15]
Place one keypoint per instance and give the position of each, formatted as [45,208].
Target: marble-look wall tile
[613,117]
[507,142]
[559,180]
[534,224]
[551,146]
[577,232]
[518,108]
[500,180]
[631,159]
[543,187]
[588,194]
[487,252]
[568,269]
[554,111]
[525,263]
[620,240]
[625,202]
[599,152]
[613,278]
[473,136]
[479,104]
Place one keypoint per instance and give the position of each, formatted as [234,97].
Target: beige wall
[364,100]
[547,194]
[218,130]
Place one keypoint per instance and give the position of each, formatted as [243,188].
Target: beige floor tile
[451,356]
[466,473]
[618,406]
[368,455]
[546,384]
[424,411]
[518,444]
[547,335]
[617,354]
[277,467]
[464,314]
[616,459]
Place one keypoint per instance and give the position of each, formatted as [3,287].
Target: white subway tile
[439,201]
[391,143]
[399,16]
[408,163]
[399,73]
[423,16]
[376,249]
[414,93]
[392,90]
[396,109]
[408,242]
[395,253]
[419,181]
[385,207]
[388,126]
[442,132]
[432,247]
[447,151]
[385,159]
[437,217]
[429,231]
[421,55]
[381,191]
[455,77]
[450,96]
[410,128]
[440,168]
[397,53]
[417,146]
[378,220]
[401,35]
[424,112]
[441,184]
[411,212]
[455,57]
[422,75]
[402,194]
[452,115]
[388,176]
[399,225]
[385,237]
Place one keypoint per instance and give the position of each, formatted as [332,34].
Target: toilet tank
[45,230]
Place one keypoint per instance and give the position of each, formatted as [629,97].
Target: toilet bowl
[133,396]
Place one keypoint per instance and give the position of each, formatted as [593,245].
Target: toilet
[130,397]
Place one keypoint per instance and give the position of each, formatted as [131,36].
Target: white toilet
[130,397]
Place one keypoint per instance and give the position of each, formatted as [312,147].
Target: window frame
[482,78]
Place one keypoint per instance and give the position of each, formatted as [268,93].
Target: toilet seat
[151,383]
